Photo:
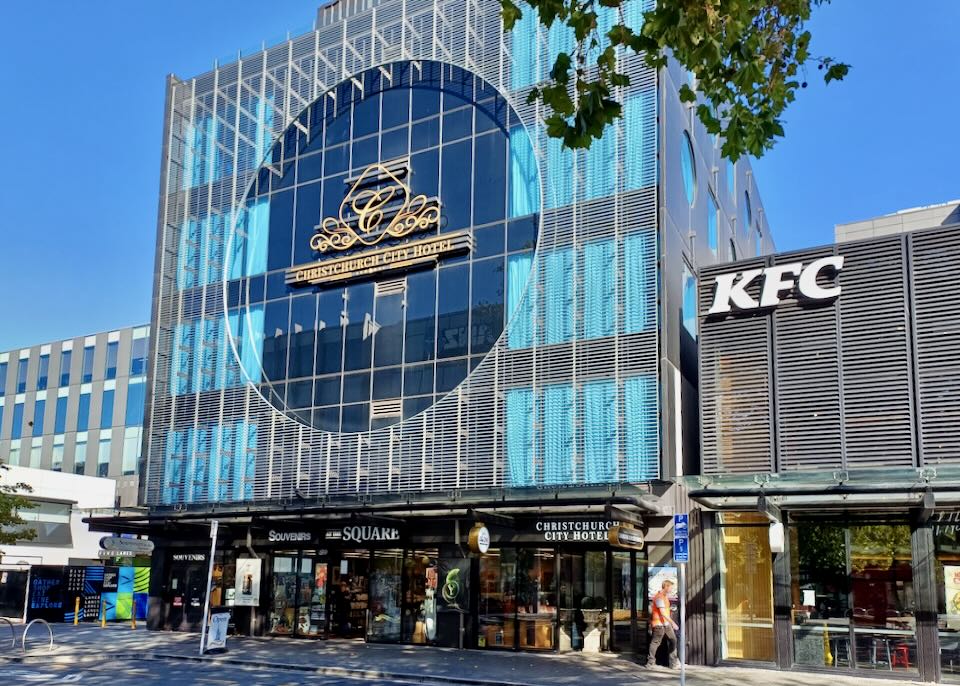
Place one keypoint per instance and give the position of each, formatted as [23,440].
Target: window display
[383,614]
[420,597]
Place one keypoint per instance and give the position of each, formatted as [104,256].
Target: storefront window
[498,573]
[383,613]
[536,597]
[284,597]
[947,547]
[852,596]
[583,601]
[746,588]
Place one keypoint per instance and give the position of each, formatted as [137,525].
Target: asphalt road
[157,672]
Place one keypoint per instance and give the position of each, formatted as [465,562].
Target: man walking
[663,625]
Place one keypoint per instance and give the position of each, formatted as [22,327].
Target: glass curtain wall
[852,596]
[746,588]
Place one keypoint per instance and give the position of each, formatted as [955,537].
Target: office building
[77,406]
[389,311]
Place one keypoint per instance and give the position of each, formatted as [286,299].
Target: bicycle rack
[23,640]
[13,632]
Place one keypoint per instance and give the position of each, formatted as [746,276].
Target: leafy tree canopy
[748,58]
[12,501]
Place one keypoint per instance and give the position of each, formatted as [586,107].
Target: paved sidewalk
[88,643]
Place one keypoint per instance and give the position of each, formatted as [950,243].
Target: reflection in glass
[852,595]
[536,598]
[498,570]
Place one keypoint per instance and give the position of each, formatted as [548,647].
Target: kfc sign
[782,279]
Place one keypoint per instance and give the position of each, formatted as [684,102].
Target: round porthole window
[688,168]
[370,269]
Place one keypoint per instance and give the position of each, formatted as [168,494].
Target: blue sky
[78,195]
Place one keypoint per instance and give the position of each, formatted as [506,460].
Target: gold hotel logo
[379,207]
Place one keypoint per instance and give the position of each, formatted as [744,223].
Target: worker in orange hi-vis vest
[663,625]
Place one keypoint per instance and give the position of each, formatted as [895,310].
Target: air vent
[382,409]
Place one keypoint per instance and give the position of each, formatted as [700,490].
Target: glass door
[383,610]
[318,600]
[283,605]
[420,596]
[498,602]
[348,594]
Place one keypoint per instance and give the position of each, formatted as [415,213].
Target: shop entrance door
[348,594]
[584,624]
[299,598]
[185,597]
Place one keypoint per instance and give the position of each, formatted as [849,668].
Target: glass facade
[368,355]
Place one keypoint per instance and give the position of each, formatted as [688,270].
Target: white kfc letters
[731,292]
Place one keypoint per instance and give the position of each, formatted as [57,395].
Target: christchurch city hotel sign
[731,295]
[378,208]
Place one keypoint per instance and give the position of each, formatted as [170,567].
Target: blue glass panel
[136,396]
[489,178]
[519,437]
[559,174]
[558,296]
[330,337]
[600,166]
[196,486]
[640,140]
[106,409]
[599,289]
[639,269]
[712,212]
[421,316]
[173,464]
[3,378]
[39,407]
[558,421]
[455,190]
[453,311]
[83,412]
[60,416]
[524,41]
[251,348]
[599,432]
[521,301]
[524,176]
[640,399]
[486,304]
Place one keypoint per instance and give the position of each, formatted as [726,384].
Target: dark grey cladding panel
[936,256]
[874,324]
[854,381]
[807,380]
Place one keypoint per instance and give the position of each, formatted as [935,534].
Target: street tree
[12,502]
[748,59]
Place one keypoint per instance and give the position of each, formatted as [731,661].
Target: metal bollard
[76,611]
[103,614]
[133,620]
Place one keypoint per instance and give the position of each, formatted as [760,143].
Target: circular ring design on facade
[382,246]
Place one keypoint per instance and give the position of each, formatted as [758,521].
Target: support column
[925,590]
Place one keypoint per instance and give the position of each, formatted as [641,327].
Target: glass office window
[731,178]
[80,456]
[39,408]
[733,250]
[746,583]
[83,410]
[103,457]
[106,408]
[22,375]
[16,427]
[136,397]
[1,411]
[43,370]
[35,456]
[57,456]
[66,356]
[746,211]
[60,416]
[138,356]
[111,366]
[131,450]
[3,378]
[87,372]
